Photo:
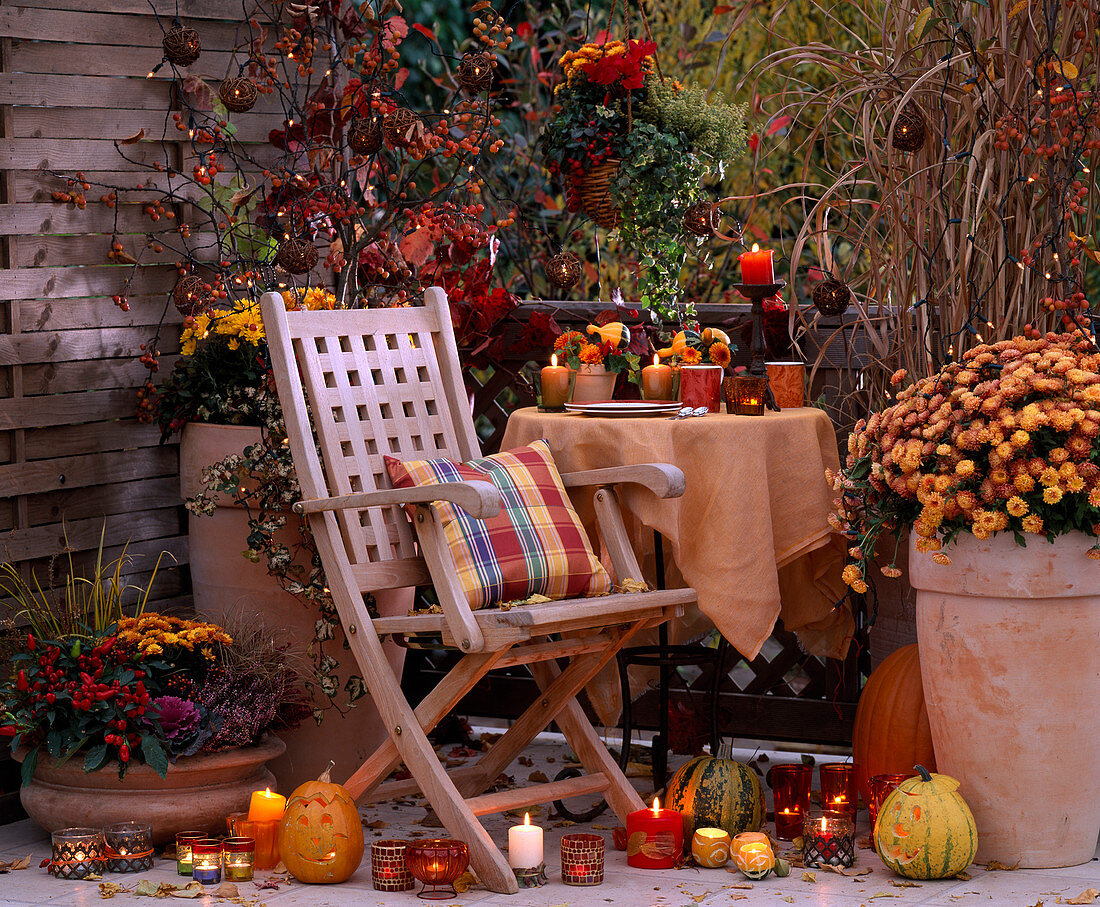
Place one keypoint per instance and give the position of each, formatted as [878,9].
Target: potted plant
[633,149]
[990,467]
[598,357]
[117,716]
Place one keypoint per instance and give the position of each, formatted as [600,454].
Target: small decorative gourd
[717,792]
[321,838]
[711,847]
[614,332]
[680,342]
[924,828]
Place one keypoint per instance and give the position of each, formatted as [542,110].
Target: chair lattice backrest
[377,382]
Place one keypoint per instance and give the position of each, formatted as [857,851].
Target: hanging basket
[238,94]
[595,193]
[182,46]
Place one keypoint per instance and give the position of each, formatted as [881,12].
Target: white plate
[625,409]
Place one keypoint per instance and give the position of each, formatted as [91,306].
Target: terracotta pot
[594,382]
[197,793]
[227,584]
[1008,641]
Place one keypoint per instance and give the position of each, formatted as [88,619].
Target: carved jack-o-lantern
[925,830]
[321,838]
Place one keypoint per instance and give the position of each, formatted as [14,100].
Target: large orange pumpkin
[321,838]
[891,732]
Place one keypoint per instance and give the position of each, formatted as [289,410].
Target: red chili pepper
[124,753]
[21,682]
[30,642]
[50,698]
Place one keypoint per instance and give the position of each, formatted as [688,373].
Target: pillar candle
[525,845]
[265,806]
[555,384]
[657,381]
[654,837]
[757,265]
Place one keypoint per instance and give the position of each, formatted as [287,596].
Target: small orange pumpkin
[321,837]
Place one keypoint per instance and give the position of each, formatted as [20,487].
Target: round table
[750,534]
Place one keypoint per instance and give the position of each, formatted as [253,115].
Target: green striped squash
[924,829]
[717,793]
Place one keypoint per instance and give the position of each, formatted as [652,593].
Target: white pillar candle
[525,845]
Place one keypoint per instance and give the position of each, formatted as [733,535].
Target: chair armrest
[663,479]
[479,499]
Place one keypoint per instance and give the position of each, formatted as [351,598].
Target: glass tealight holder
[881,786]
[77,853]
[387,866]
[828,839]
[266,834]
[791,786]
[437,862]
[184,840]
[238,859]
[582,859]
[206,861]
[745,395]
[129,847]
[840,787]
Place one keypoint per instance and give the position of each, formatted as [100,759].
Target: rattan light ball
[365,134]
[831,297]
[182,45]
[191,296]
[909,130]
[296,255]
[702,219]
[399,125]
[475,72]
[563,270]
[238,94]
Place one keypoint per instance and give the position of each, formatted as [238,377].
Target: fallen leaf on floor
[110,889]
[1036,904]
[190,890]
[637,770]
[533,810]
[526,761]
[272,884]
[226,890]
[789,899]
[905,883]
[841,871]
[15,864]
[739,897]
[377,823]
[797,844]
[865,843]
[963,876]
[537,777]
[1088,896]
[699,898]
[564,823]
[597,825]
[431,820]
[742,886]
[998,866]
[883,894]
[809,877]
[465,882]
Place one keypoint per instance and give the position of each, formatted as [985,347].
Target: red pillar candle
[654,837]
[757,266]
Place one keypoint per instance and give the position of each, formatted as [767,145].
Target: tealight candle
[184,840]
[711,847]
[555,384]
[840,787]
[129,847]
[582,859]
[206,861]
[828,840]
[238,856]
[265,806]
[655,837]
[525,845]
[77,853]
[657,381]
[757,266]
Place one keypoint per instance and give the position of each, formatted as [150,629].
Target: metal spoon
[682,414]
[700,411]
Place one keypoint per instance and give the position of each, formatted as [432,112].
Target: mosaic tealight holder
[129,847]
[436,863]
[77,853]
[206,861]
[238,858]
[582,859]
[828,839]
[184,840]
[387,866]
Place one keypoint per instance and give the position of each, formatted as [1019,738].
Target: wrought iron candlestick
[758,292]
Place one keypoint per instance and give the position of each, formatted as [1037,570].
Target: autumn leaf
[998,866]
[133,139]
[963,876]
[1067,69]
[722,9]
[809,877]
[1088,896]
[425,31]
[920,26]
[110,889]
[480,5]
[1018,7]
[905,883]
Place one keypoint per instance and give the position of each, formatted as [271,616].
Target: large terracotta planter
[1010,658]
[593,382]
[227,585]
[197,793]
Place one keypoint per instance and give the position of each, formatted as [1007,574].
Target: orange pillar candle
[555,385]
[265,806]
[757,266]
[654,837]
[657,381]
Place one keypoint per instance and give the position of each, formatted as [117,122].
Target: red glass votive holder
[206,861]
[791,786]
[881,785]
[184,840]
[828,839]
[387,866]
[436,863]
[266,835]
[582,859]
[840,788]
[745,395]
[701,385]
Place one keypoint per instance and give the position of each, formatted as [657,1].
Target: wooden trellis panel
[73,80]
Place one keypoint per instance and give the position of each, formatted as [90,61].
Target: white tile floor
[622,885]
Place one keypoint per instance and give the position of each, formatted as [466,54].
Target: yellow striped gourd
[717,793]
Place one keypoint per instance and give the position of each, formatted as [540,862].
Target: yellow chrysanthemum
[942,559]
[1032,523]
[964,468]
[1052,494]
[1017,506]
[691,356]
[1020,438]
[1049,476]
[1075,484]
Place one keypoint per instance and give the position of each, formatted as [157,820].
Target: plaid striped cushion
[536,544]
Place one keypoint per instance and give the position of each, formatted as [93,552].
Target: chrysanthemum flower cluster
[152,634]
[242,323]
[1003,441]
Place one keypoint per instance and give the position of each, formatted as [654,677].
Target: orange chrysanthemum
[565,339]
[590,354]
[720,354]
[691,356]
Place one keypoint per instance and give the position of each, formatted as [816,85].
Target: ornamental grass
[1002,441]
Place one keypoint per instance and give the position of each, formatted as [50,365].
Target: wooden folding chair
[387,382]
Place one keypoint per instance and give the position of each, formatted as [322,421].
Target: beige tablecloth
[750,534]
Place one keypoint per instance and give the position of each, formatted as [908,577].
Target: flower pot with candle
[1000,624]
[655,838]
[598,358]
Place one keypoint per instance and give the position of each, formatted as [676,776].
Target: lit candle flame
[553,360]
[656,359]
[526,818]
[756,247]
[656,807]
[823,823]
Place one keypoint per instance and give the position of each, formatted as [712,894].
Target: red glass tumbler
[840,788]
[881,785]
[790,785]
[701,385]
